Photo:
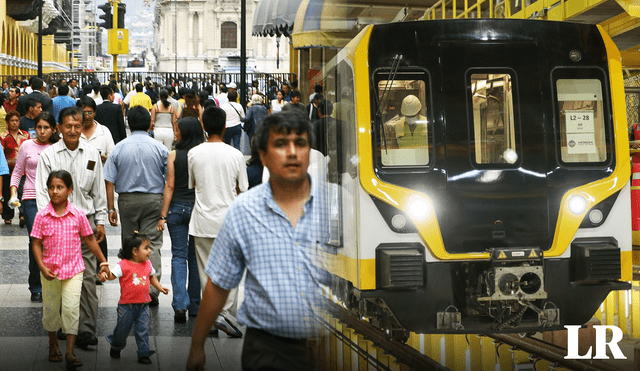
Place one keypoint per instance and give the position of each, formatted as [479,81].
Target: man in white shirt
[218,173]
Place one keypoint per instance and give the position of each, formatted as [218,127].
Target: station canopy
[274,17]
[330,23]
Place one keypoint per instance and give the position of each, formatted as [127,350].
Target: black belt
[281,339]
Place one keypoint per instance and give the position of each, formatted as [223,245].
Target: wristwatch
[1,199]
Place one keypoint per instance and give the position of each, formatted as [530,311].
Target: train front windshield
[405,125]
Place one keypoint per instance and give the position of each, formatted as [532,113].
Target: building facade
[204,36]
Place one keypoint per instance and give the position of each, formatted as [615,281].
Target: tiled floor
[24,343]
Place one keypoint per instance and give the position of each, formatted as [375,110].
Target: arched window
[229,35]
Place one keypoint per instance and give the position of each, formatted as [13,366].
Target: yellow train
[479,175]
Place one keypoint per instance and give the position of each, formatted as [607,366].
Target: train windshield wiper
[385,96]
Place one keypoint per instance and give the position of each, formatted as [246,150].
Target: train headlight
[418,208]
[577,204]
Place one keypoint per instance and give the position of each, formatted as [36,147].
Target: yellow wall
[22,46]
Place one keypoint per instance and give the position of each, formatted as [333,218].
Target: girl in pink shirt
[56,233]
[136,274]
[26,165]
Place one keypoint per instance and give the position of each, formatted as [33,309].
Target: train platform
[24,342]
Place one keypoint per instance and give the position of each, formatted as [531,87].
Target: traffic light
[122,8]
[106,17]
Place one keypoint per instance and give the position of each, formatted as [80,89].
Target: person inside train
[408,129]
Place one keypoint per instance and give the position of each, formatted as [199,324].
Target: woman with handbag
[235,114]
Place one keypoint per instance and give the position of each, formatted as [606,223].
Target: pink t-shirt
[60,235]
[27,162]
[135,280]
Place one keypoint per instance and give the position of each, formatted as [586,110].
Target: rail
[266,81]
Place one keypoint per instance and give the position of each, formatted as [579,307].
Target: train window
[582,128]
[406,131]
[493,118]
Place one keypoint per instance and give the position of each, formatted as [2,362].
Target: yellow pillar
[622,311]
[449,347]
[609,309]
[635,310]
[459,353]
[488,353]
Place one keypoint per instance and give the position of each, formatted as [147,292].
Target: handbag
[247,125]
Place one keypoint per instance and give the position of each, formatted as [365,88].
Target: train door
[495,153]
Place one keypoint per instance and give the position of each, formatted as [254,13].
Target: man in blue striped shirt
[274,232]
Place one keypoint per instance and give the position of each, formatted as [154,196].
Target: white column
[201,20]
[191,34]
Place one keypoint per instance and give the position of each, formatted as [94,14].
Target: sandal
[73,362]
[7,221]
[54,353]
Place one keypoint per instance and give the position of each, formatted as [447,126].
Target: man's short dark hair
[105,92]
[295,93]
[139,88]
[283,122]
[63,89]
[32,102]
[37,83]
[139,119]
[232,95]
[69,111]
[214,120]
[325,107]
[87,101]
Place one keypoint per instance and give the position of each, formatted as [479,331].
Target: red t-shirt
[135,280]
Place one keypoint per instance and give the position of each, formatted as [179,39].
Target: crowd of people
[168,158]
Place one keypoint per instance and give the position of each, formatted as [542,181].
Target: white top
[214,171]
[222,98]
[97,98]
[233,109]
[277,107]
[89,191]
[130,95]
[101,139]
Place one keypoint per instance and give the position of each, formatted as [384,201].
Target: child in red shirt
[56,233]
[136,274]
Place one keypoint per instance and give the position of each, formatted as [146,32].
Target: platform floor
[24,343]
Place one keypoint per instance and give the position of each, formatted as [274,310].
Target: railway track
[413,359]
[403,353]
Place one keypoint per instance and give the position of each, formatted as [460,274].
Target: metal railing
[267,82]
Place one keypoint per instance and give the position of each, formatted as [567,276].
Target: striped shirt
[85,166]
[282,288]
[60,235]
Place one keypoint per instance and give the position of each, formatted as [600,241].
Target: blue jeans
[233,134]
[30,210]
[184,266]
[128,314]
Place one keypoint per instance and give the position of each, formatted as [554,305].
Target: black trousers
[264,351]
